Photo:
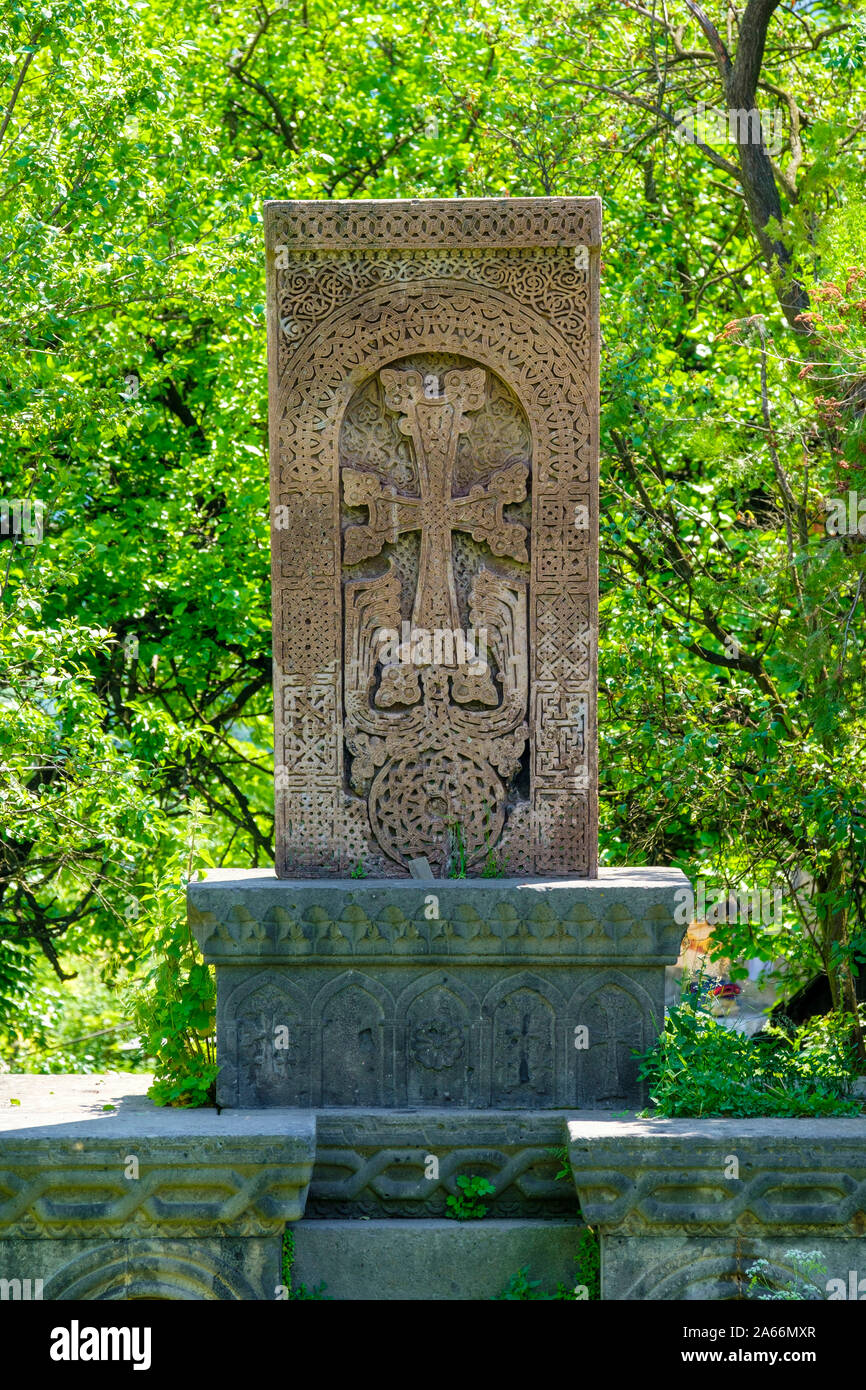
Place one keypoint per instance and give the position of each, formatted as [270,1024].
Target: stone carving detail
[436,1043]
[272,1046]
[617,1026]
[155,1269]
[385,1176]
[434,742]
[669,1183]
[433,415]
[218,1195]
[523,1036]
[352,1047]
[439,1052]
[398,1034]
[367,924]
[452,222]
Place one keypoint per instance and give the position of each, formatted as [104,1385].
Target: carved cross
[609,1042]
[522,1037]
[435,423]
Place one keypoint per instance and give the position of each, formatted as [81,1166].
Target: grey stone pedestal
[479,993]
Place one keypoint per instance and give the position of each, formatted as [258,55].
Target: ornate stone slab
[685,1206]
[434,400]
[649,1175]
[69,1169]
[487,994]
[397,1164]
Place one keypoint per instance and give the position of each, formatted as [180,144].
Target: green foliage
[520,1288]
[135,669]
[467,1205]
[315,1294]
[493,867]
[457,856]
[808,1281]
[700,1067]
[287,1262]
[560,1152]
[588,1262]
[287,1257]
[174,1004]
[81,1027]
[16,981]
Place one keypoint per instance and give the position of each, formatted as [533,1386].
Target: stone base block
[474,994]
[685,1206]
[674,1268]
[389,1261]
[103,1196]
[225,1269]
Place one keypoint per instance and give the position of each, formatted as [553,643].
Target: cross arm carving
[480,512]
[390,514]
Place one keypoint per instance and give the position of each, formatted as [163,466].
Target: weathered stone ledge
[70,1166]
[469,993]
[682,1206]
[249,916]
[685,1207]
[718,1175]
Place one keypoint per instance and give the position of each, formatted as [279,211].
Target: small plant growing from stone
[492,867]
[587,1264]
[457,854]
[520,1288]
[560,1153]
[359,871]
[808,1282]
[468,1206]
[302,1292]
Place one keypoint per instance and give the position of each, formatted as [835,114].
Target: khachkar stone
[433,372]
[434,407]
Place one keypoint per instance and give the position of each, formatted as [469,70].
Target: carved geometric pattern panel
[434,417]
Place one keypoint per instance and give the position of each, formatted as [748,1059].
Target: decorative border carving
[352,1037]
[655,1183]
[433,223]
[192,1188]
[326,924]
[162,1269]
[378,1167]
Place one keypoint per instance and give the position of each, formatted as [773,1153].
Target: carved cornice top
[624,916]
[73,1172]
[434,223]
[711,1177]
